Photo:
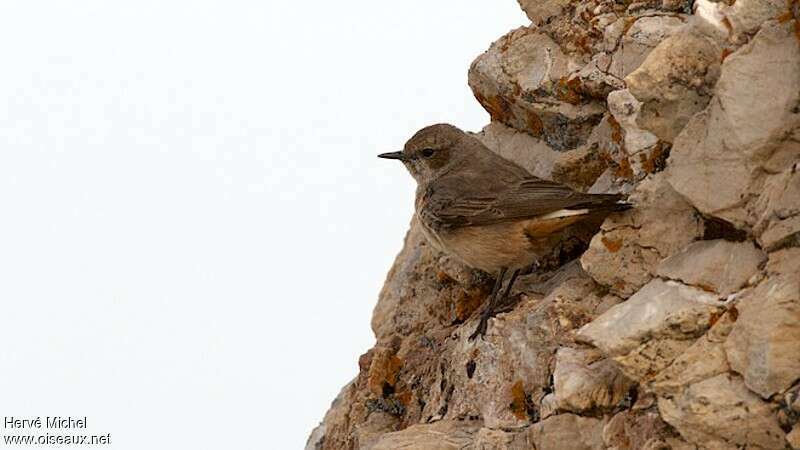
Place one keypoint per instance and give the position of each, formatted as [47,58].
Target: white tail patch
[562,213]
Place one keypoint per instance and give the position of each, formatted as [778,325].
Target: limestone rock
[602,154]
[577,168]
[719,161]
[567,432]
[793,438]
[580,168]
[675,82]
[626,42]
[722,413]
[637,429]
[489,439]
[648,331]
[668,444]
[720,266]
[644,153]
[786,261]
[625,109]
[643,34]
[584,381]
[399,309]
[704,359]
[710,21]
[324,435]
[540,12]
[626,253]
[781,233]
[451,434]
[496,377]
[529,152]
[524,81]
[763,345]
[778,208]
[442,435]
[746,16]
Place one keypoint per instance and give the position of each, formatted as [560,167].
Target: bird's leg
[487,310]
[502,304]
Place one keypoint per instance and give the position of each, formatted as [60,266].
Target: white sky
[194,226]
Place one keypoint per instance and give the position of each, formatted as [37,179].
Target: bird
[488,212]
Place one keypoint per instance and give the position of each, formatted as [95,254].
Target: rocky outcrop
[678,325]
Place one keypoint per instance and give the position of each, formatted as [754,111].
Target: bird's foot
[483,324]
[507,305]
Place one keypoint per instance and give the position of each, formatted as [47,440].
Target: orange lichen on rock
[624,170]
[535,125]
[466,302]
[655,160]
[613,245]
[569,90]
[383,371]
[498,107]
[616,130]
[518,401]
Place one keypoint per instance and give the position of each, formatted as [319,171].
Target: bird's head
[431,151]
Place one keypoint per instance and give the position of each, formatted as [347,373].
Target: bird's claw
[480,330]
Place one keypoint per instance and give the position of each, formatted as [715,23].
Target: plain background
[194,225]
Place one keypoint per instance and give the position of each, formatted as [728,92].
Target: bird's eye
[428,152]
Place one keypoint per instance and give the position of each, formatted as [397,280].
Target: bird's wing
[464,204]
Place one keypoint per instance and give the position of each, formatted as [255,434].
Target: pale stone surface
[529,152]
[540,12]
[717,161]
[642,37]
[625,254]
[577,168]
[635,429]
[717,265]
[336,415]
[316,438]
[595,78]
[786,261]
[513,361]
[645,152]
[646,333]
[450,435]
[510,365]
[442,435]
[764,345]
[710,21]
[793,438]
[746,16]
[567,432]
[625,109]
[704,359]
[795,404]
[584,380]
[667,106]
[489,439]
[603,152]
[781,233]
[524,81]
[779,206]
[721,412]
[668,444]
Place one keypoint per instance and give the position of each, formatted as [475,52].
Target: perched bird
[487,211]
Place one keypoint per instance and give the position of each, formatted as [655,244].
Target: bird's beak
[393,155]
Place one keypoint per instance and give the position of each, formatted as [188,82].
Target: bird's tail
[605,203]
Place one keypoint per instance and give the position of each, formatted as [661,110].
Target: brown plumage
[487,211]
